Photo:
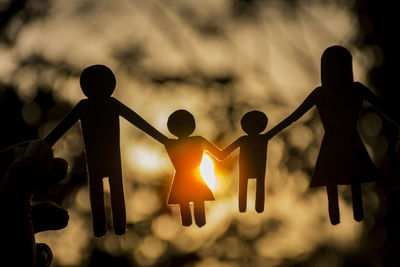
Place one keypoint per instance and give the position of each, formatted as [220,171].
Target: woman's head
[336,66]
[181,123]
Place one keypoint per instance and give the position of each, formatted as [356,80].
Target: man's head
[97,81]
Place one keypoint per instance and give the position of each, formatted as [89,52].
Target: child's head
[254,122]
[97,81]
[181,123]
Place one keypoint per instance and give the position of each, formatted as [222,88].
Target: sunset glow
[218,60]
[207,171]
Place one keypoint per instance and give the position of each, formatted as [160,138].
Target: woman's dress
[343,158]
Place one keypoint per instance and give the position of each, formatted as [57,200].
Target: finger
[29,170]
[57,172]
[49,216]
[8,155]
[40,151]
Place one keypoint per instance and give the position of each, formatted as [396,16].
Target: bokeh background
[218,59]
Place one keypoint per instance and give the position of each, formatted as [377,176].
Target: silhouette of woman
[343,159]
[186,154]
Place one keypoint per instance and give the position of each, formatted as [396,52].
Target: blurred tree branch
[9,12]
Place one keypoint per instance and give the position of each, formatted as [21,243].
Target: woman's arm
[307,104]
[389,112]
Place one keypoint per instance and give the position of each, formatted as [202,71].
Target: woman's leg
[199,214]
[333,202]
[357,202]
[185,214]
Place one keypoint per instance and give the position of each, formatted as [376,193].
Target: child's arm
[388,111]
[64,125]
[303,108]
[229,149]
[139,122]
[210,147]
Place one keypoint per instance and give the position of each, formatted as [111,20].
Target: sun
[207,171]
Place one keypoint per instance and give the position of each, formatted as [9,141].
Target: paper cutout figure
[252,157]
[186,154]
[343,159]
[99,116]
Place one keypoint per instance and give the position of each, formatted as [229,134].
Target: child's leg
[242,193]
[260,194]
[117,203]
[333,202]
[97,205]
[199,214]
[185,214]
[357,202]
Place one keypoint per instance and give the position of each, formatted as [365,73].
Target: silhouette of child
[186,154]
[252,157]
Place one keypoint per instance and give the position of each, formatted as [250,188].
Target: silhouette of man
[99,116]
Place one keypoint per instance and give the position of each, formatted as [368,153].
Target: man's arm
[139,122]
[389,112]
[307,104]
[69,120]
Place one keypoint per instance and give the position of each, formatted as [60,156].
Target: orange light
[207,171]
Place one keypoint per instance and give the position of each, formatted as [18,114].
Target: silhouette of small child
[252,157]
[186,154]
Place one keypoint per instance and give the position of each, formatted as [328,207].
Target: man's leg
[97,205]
[117,203]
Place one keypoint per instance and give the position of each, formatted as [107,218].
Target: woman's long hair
[336,67]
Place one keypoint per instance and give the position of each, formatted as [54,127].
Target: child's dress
[186,156]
